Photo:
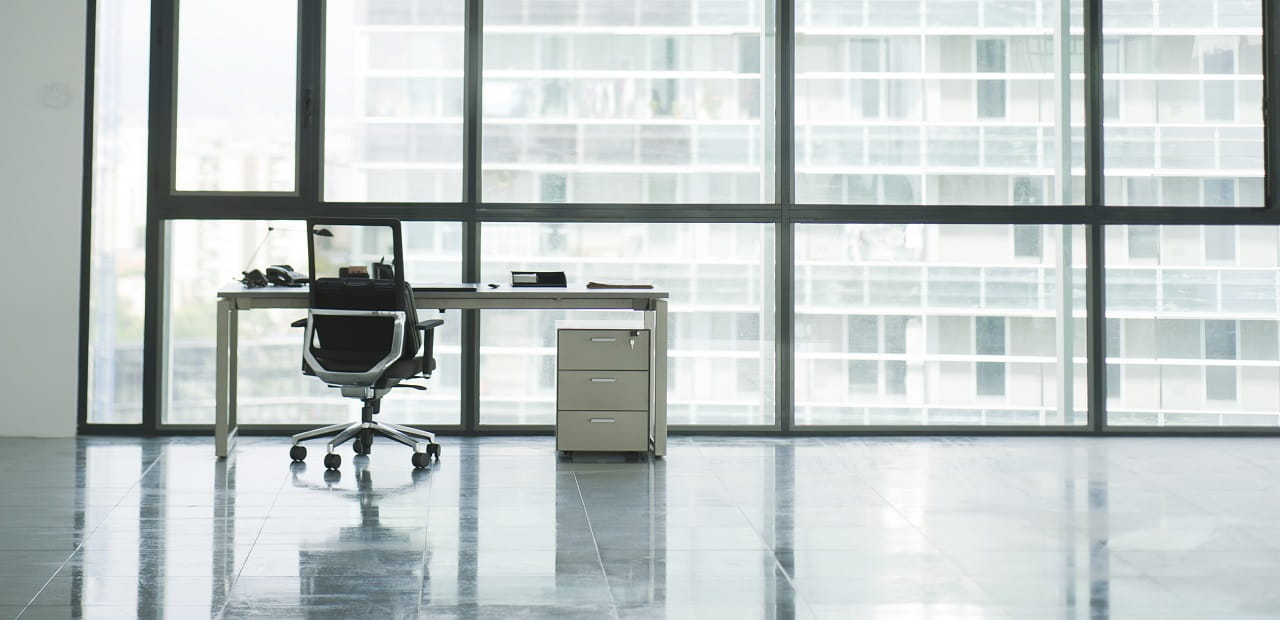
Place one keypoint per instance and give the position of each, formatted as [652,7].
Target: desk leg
[224,380]
[656,321]
[233,374]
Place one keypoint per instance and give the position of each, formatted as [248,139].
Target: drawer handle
[603,339]
[602,420]
[603,380]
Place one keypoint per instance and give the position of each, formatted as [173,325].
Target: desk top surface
[235,290]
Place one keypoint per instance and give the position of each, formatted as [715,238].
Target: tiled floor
[1017,527]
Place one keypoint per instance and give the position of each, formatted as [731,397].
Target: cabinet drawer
[602,390]
[609,349]
[602,430]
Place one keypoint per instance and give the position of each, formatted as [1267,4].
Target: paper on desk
[619,284]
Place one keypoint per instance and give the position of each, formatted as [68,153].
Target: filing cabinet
[602,386]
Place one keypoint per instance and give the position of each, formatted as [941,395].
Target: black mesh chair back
[353,344]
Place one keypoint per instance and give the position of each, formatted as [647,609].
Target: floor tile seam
[595,544]
[85,538]
[275,498]
[425,561]
[795,592]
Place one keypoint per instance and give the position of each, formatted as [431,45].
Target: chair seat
[400,369]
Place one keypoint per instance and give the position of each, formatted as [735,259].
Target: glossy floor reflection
[1012,527]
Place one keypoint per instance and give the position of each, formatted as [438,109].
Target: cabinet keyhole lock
[633,340]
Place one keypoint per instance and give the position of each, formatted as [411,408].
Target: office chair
[363,333]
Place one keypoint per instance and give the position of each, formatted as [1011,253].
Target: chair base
[423,442]
[363,433]
[345,432]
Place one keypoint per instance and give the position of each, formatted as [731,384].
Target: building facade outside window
[653,125]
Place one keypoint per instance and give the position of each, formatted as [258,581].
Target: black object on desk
[538,278]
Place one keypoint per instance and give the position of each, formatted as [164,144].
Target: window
[937,316]
[990,58]
[881,339]
[1219,95]
[1144,242]
[1027,191]
[928,107]
[1111,59]
[1115,350]
[393,101]
[1220,344]
[554,187]
[864,334]
[1219,340]
[630,93]
[1219,192]
[1203,349]
[895,377]
[1186,88]
[720,359]
[1220,383]
[865,57]
[236,115]
[864,377]
[1219,243]
[665,112]
[989,340]
[117,247]
[1026,240]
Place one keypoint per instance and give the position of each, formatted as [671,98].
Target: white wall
[42,54]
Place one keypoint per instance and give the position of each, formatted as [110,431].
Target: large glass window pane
[237,96]
[612,101]
[119,215]
[911,324]
[956,104]
[393,101]
[1186,82]
[1203,350]
[271,386]
[720,276]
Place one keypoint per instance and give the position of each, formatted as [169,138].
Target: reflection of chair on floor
[363,333]
[342,568]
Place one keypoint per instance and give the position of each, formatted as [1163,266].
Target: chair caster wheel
[433,449]
[421,460]
[298,453]
[332,461]
[363,443]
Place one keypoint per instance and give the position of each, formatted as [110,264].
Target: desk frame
[653,303]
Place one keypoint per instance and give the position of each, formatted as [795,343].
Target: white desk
[652,302]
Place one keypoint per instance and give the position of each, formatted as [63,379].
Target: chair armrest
[428,328]
[302,322]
